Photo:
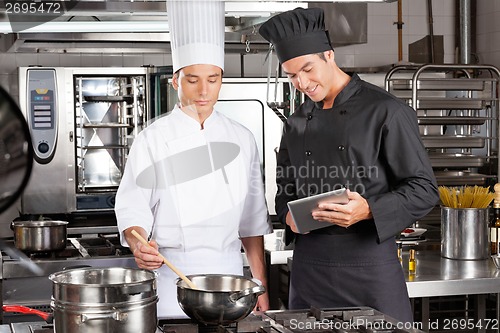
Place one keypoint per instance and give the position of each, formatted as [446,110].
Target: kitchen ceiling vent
[142,26]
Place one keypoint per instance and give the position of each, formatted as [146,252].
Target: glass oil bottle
[412,264]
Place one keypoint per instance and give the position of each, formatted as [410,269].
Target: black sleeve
[415,191]
[285,186]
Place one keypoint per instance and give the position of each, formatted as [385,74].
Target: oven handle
[118,316]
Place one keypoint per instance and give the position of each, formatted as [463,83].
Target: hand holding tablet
[301,209]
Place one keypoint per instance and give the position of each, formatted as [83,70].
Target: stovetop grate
[345,320]
[32,327]
[48,329]
[251,324]
[99,246]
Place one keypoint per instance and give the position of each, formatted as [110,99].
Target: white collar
[193,122]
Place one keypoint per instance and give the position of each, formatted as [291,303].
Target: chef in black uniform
[347,133]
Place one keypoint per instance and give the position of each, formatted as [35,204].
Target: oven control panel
[42,112]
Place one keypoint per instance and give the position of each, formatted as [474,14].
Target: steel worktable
[438,276]
[434,276]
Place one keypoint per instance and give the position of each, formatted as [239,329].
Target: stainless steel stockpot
[39,236]
[218,299]
[104,300]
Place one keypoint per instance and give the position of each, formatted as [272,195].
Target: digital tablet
[301,209]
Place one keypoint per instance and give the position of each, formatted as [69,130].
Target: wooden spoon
[168,263]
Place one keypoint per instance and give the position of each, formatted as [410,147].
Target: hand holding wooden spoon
[168,263]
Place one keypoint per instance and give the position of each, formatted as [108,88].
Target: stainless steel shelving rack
[457,110]
[458,117]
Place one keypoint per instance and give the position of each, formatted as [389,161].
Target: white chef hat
[196,32]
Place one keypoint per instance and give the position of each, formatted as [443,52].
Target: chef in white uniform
[192,181]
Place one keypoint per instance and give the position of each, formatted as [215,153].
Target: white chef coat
[198,191]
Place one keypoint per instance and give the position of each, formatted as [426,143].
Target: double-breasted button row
[341,148]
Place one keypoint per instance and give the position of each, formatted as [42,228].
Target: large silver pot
[219,299]
[104,300]
[40,236]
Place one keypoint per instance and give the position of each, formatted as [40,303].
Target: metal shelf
[459,178]
[108,99]
[106,125]
[455,160]
[452,103]
[105,147]
[458,118]
[450,84]
[445,120]
[456,141]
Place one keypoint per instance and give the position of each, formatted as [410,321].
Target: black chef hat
[297,32]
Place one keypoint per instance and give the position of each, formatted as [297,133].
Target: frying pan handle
[257,290]
[23,309]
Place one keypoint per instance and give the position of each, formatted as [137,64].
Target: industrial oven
[82,122]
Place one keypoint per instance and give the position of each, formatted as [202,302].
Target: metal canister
[464,233]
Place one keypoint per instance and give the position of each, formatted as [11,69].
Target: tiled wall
[488,32]
[382,46]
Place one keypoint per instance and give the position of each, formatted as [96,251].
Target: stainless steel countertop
[438,276]
[434,275]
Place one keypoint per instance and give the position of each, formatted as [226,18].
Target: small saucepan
[48,317]
[218,299]
[40,236]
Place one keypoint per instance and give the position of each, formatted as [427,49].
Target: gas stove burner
[32,327]
[343,320]
[197,328]
[44,329]
[314,320]
[101,246]
[253,323]
[179,328]
[67,252]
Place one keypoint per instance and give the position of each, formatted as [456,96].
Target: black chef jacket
[369,142]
